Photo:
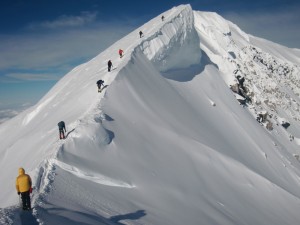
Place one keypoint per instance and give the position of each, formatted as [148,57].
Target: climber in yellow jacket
[23,186]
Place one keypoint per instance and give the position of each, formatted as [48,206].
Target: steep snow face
[166,142]
[31,138]
[271,71]
[177,38]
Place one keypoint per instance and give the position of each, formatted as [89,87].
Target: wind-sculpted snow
[32,114]
[166,142]
[175,45]
[97,178]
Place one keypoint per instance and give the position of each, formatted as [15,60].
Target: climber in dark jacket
[99,84]
[62,129]
[141,34]
[109,65]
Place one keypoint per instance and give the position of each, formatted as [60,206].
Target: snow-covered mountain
[167,141]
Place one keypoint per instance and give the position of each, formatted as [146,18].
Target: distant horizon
[41,42]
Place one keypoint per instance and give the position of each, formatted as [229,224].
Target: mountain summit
[198,124]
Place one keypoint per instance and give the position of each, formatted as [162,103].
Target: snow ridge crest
[177,37]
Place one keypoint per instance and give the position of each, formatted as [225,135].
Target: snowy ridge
[166,142]
[71,99]
[176,37]
[271,71]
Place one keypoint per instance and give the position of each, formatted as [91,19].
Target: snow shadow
[101,89]
[27,218]
[39,178]
[111,135]
[108,133]
[108,118]
[9,215]
[130,216]
[69,132]
[60,215]
[102,117]
[187,74]
[232,54]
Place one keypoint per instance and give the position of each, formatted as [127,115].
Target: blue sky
[41,40]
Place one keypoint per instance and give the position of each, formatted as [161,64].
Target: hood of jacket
[21,171]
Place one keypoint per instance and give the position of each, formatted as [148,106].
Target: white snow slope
[166,142]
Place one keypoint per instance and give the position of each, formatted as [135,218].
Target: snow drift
[166,142]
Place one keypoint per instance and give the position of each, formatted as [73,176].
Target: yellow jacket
[23,181]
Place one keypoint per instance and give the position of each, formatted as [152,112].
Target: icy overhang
[176,44]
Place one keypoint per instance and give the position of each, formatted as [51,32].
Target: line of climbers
[61,125]
[23,181]
[99,83]
[141,33]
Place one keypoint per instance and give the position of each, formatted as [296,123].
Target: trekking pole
[20,204]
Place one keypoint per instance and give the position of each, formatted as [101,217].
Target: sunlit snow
[166,142]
